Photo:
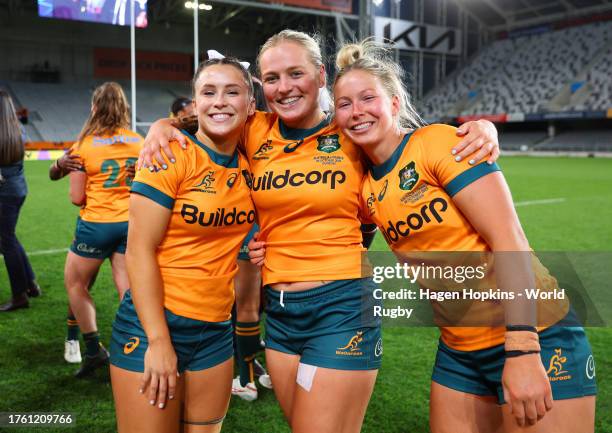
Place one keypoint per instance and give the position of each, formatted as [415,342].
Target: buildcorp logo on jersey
[413,222]
[272,180]
[220,217]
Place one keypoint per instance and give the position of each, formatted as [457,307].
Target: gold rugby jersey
[409,197]
[104,160]
[305,185]
[212,213]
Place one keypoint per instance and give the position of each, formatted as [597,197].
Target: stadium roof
[496,15]
[511,14]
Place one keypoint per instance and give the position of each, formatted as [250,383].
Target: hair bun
[348,55]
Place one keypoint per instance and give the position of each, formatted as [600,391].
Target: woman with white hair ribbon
[247,332]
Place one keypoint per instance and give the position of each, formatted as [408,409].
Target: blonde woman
[306,178]
[106,148]
[486,378]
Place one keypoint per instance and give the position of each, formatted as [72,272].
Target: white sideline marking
[43,252]
[544,201]
[47,252]
[517,204]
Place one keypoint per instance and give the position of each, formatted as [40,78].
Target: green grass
[34,376]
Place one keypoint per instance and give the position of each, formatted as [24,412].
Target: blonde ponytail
[375,58]
[348,55]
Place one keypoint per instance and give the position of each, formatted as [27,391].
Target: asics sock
[247,346]
[72,327]
[92,343]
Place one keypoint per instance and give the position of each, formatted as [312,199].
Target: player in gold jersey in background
[106,147]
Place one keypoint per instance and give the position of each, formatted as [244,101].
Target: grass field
[34,376]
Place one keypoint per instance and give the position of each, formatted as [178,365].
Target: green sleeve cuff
[154,194]
[469,176]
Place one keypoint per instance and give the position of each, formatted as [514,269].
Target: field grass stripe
[43,252]
[543,201]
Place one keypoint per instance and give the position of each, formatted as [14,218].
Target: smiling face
[364,110]
[222,102]
[291,84]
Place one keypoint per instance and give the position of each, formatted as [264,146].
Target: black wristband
[511,328]
[517,353]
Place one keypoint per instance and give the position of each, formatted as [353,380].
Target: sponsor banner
[534,117]
[48,145]
[596,114]
[43,155]
[150,65]
[496,118]
[515,117]
[408,35]
[345,6]
[530,31]
[564,115]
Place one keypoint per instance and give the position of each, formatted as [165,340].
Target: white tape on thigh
[305,376]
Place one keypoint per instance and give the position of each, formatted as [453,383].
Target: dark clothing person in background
[182,107]
[13,191]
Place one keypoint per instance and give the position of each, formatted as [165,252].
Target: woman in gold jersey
[101,189]
[172,336]
[306,177]
[505,384]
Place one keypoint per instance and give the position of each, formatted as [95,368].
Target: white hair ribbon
[214,54]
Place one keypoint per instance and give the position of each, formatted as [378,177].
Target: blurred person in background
[106,149]
[182,107]
[13,191]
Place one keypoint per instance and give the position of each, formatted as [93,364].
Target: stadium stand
[591,140]
[526,74]
[598,83]
[58,111]
[517,140]
[462,87]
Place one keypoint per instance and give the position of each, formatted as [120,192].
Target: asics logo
[383,191]
[292,146]
[231,180]
[131,345]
